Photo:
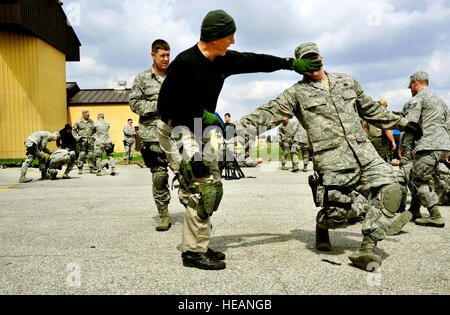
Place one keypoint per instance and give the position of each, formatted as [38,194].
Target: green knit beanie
[217,25]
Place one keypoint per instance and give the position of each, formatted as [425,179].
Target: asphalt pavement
[96,235]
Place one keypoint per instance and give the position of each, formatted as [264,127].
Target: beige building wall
[32,91]
[117,115]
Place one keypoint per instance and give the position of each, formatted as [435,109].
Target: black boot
[202,261]
[322,240]
[211,254]
[215,255]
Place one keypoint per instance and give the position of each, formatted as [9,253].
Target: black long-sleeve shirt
[193,82]
[66,140]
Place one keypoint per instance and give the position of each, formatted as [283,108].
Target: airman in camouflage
[431,112]
[35,144]
[381,138]
[129,142]
[56,161]
[102,144]
[301,144]
[329,106]
[143,101]
[83,132]
[286,133]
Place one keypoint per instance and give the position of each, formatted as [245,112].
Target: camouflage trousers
[99,148]
[424,173]
[290,148]
[129,147]
[160,178]
[442,184]
[32,153]
[83,147]
[56,164]
[196,233]
[304,149]
[367,181]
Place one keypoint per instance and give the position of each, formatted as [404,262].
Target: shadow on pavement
[340,241]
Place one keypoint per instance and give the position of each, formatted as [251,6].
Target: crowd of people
[338,126]
[86,137]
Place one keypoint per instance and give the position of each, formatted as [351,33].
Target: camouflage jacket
[59,158]
[41,139]
[431,112]
[83,129]
[128,132]
[144,100]
[286,132]
[300,135]
[101,129]
[332,121]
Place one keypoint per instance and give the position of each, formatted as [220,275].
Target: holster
[319,191]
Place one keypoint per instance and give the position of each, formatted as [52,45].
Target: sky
[379,42]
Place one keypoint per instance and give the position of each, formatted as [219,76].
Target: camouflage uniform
[56,161]
[343,154]
[129,143]
[430,111]
[301,143]
[286,135]
[34,144]
[102,144]
[378,141]
[143,101]
[83,132]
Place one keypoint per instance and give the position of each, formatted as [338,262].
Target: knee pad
[109,148]
[31,150]
[196,168]
[153,156]
[161,181]
[211,196]
[389,199]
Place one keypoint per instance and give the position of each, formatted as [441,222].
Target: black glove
[414,129]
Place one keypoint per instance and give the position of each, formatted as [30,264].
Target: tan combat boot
[295,168]
[24,179]
[305,168]
[365,257]
[435,219]
[113,171]
[66,176]
[399,221]
[164,223]
[283,167]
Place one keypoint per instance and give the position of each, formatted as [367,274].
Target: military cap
[101,115]
[85,112]
[306,48]
[418,76]
[217,25]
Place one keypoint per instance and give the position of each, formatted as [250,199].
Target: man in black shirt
[66,141]
[188,96]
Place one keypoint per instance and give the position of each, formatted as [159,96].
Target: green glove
[211,120]
[306,65]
